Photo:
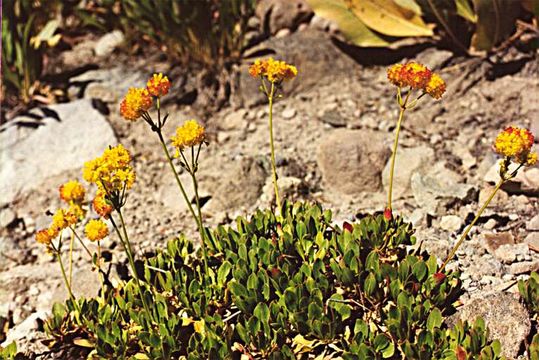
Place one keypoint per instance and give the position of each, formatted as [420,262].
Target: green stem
[81,242]
[101,276]
[465,233]
[71,258]
[272,147]
[178,181]
[200,224]
[127,247]
[394,154]
[68,286]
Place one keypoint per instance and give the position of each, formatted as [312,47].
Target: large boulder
[51,141]
[351,161]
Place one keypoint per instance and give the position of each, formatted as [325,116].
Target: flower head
[72,191]
[417,76]
[516,143]
[101,206]
[274,70]
[191,133]
[136,101]
[435,87]
[158,85]
[111,172]
[45,236]
[60,220]
[96,230]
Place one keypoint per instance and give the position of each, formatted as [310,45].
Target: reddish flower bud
[388,214]
[348,227]
[439,277]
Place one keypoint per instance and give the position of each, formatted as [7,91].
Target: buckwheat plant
[515,145]
[411,78]
[190,137]
[113,175]
[73,194]
[272,73]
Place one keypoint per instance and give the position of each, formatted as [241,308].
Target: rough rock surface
[351,161]
[506,318]
[61,138]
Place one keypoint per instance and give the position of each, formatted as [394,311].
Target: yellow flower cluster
[190,134]
[139,100]
[101,206]
[96,230]
[417,76]
[60,220]
[158,85]
[274,70]
[110,172]
[72,191]
[135,103]
[514,142]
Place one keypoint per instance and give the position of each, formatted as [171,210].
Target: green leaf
[388,18]
[370,284]
[434,320]
[350,25]
[223,272]
[419,270]
[261,311]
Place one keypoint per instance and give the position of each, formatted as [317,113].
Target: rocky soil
[333,127]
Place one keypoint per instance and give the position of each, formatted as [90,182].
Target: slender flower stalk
[414,76]
[135,105]
[273,72]
[272,147]
[515,145]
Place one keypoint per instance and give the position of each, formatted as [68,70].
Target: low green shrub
[282,287]
[529,290]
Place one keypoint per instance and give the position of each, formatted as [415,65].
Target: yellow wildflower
[44,236]
[158,85]
[274,70]
[191,133]
[515,142]
[136,101]
[417,76]
[96,230]
[110,172]
[435,87]
[101,206]
[74,214]
[72,191]
[531,159]
[59,220]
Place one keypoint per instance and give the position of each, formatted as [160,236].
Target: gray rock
[532,239]
[108,42]
[113,83]
[533,224]
[485,265]
[288,113]
[434,194]
[7,217]
[282,14]
[234,120]
[526,182]
[240,186]
[309,50]
[77,133]
[351,160]
[524,267]
[27,326]
[408,161]
[333,118]
[510,252]
[506,318]
[290,188]
[493,241]
[451,223]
